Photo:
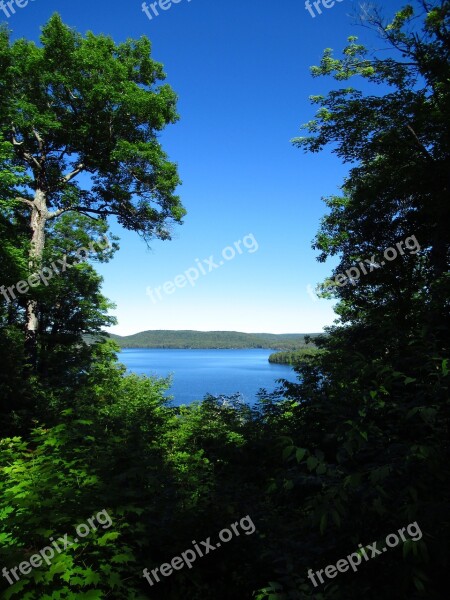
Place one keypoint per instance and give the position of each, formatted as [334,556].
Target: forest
[354,452]
[209,339]
[295,356]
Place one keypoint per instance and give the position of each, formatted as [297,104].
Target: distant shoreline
[186,348]
[210,340]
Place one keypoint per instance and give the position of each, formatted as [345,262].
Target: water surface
[199,372]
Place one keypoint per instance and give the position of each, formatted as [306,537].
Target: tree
[73,313]
[82,115]
[368,448]
[398,186]
[13,261]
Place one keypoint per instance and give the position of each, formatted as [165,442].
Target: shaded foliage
[355,450]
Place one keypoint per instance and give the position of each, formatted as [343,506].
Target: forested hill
[210,339]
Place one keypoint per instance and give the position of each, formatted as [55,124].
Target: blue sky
[241,71]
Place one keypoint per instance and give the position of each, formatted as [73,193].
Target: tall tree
[368,448]
[83,115]
[398,142]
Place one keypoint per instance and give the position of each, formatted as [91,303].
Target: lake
[199,372]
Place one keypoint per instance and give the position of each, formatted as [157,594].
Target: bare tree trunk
[39,215]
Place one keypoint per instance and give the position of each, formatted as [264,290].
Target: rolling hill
[210,339]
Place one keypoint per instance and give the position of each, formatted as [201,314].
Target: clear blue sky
[241,71]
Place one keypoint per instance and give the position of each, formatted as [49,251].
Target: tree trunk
[39,215]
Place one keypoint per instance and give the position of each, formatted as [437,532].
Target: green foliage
[100,455]
[71,305]
[209,339]
[368,450]
[293,358]
[79,104]
[355,450]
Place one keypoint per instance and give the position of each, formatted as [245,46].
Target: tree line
[355,450]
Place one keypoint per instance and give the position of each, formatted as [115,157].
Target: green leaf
[312,462]
[91,595]
[109,536]
[92,577]
[114,579]
[14,589]
[122,558]
[300,454]
[288,451]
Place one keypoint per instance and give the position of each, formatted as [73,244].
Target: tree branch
[60,211]
[24,200]
[40,141]
[88,215]
[57,213]
[62,153]
[95,211]
[83,210]
[31,160]
[419,143]
[74,173]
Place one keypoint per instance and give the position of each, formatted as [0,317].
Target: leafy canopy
[87,106]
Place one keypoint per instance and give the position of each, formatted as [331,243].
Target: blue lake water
[199,372]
